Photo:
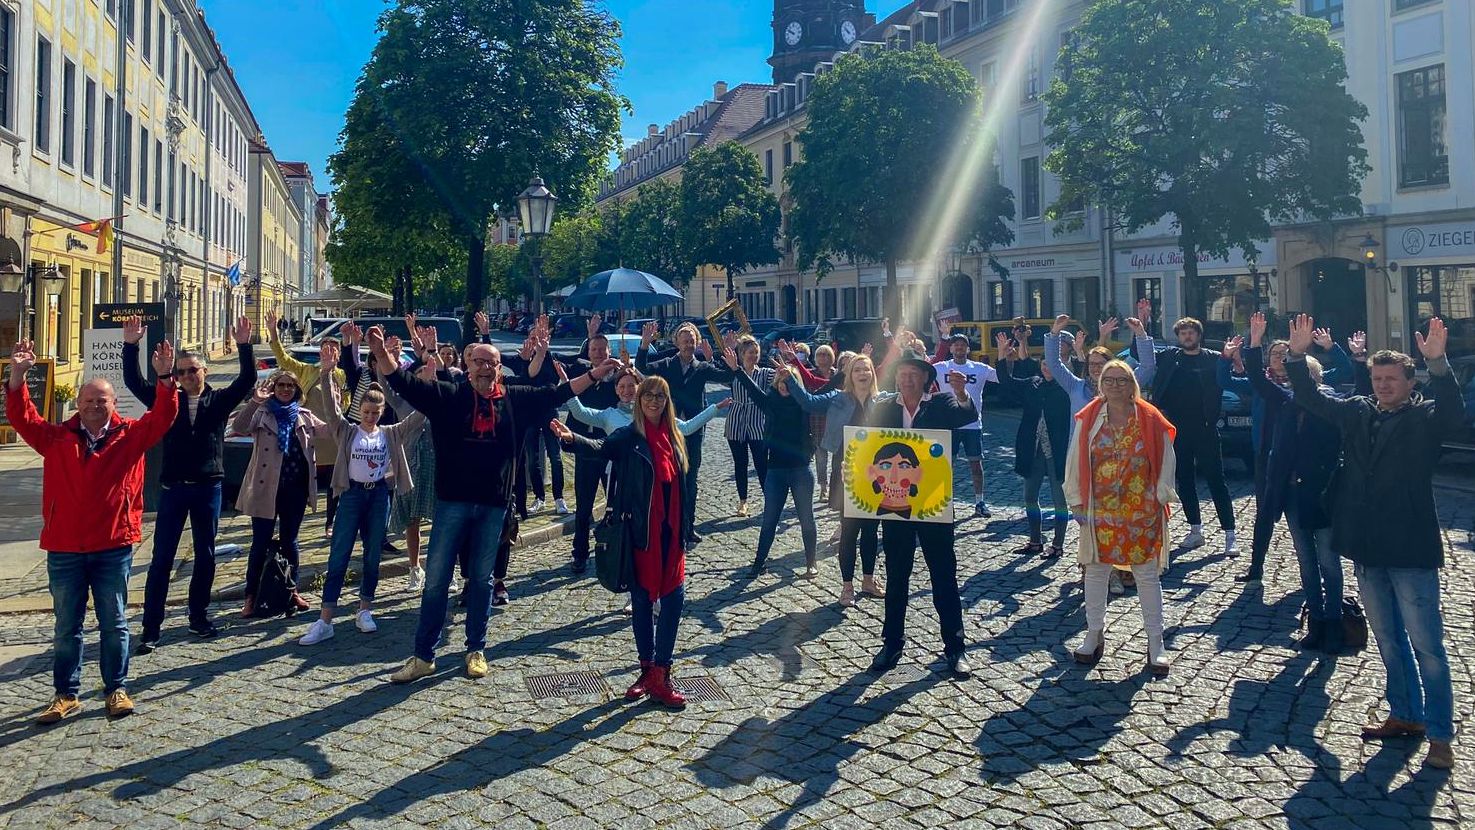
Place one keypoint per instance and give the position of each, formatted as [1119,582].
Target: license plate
[1239,420]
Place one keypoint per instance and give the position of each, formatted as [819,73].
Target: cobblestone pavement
[253,730]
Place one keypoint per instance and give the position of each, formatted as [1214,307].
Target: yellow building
[273,229]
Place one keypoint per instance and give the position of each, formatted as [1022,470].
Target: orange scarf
[1155,427]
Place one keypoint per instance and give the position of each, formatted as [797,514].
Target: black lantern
[535,207]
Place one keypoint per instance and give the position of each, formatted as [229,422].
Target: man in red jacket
[92,506]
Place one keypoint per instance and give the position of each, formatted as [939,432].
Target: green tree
[462,101]
[577,248]
[509,274]
[1223,116]
[729,217]
[881,131]
[649,232]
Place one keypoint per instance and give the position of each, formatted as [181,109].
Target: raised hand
[1302,326]
[1357,344]
[1078,345]
[1257,329]
[529,346]
[885,326]
[592,328]
[329,361]
[163,360]
[483,325]
[704,349]
[376,339]
[1144,309]
[1107,328]
[867,350]
[562,373]
[242,331]
[605,369]
[1136,327]
[648,333]
[561,431]
[133,329]
[959,382]
[427,336]
[730,358]
[271,323]
[725,403]
[944,328]
[1061,321]
[1433,345]
[263,391]
[1323,338]
[22,358]
[1004,345]
[1231,347]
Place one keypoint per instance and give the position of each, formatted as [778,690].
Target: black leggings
[740,451]
[860,533]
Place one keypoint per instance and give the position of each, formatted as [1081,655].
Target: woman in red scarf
[648,487]
[1119,483]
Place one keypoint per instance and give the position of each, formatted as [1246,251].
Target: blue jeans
[655,637]
[1321,567]
[362,514]
[200,504]
[71,576]
[693,463]
[778,483]
[1402,606]
[457,523]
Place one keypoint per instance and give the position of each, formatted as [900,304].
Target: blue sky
[297,60]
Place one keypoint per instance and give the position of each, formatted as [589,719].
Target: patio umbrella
[623,289]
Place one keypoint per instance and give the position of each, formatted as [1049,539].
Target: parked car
[636,325]
[791,333]
[577,325]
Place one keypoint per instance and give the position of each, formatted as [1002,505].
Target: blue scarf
[286,415]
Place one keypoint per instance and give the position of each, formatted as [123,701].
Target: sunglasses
[191,370]
[285,384]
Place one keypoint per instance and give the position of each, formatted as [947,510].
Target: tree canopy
[729,217]
[881,128]
[1222,116]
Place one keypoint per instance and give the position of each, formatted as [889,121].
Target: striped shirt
[745,419]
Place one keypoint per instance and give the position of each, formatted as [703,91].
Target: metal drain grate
[907,673]
[566,684]
[699,688]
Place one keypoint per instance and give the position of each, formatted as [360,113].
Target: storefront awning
[344,298]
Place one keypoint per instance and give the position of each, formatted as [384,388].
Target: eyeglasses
[483,362]
[653,396]
[189,370]
[1116,382]
[286,384]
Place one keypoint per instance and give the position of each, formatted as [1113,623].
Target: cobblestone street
[786,728]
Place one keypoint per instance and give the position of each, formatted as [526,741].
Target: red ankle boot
[661,690]
[641,687]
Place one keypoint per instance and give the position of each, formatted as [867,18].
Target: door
[1337,289]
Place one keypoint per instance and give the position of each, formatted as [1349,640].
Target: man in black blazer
[913,408]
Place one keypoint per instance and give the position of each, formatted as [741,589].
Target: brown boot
[641,687]
[120,705]
[1440,756]
[249,609]
[661,690]
[298,602]
[1393,728]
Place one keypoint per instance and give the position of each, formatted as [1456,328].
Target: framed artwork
[898,474]
[732,308]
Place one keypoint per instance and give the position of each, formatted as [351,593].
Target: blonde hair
[824,350]
[1131,375]
[292,376]
[658,384]
[744,342]
[849,385]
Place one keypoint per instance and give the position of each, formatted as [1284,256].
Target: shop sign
[1170,258]
[1431,241]
[103,346]
[1034,263]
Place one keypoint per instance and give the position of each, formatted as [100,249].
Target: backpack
[274,594]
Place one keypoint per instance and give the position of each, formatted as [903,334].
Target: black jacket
[476,467]
[632,477]
[688,388]
[942,410]
[786,434]
[1172,361]
[1383,497]
[1041,399]
[1303,454]
[193,450]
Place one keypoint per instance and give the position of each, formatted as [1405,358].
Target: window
[1447,292]
[169,204]
[130,7]
[986,75]
[174,64]
[111,9]
[143,168]
[43,95]
[1423,154]
[158,176]
[1039,299]
[1029,187]
[1328,10]
[108,117]
[125,167]
[847,302]
[788,154]
[1000,300]
[1031,90]
[832,311]
[159,44]
[147,41]
[1224,304]
[1400,5]
[1085,300]
[7,54]
[89,129]
[768,166]
[68,112]
[1150,289]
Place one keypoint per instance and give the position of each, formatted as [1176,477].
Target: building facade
[305,196]
[273,231]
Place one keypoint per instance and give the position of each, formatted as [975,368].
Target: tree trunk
[1188,242]
[476,287]
[731,286]
[892,301]
[407,285]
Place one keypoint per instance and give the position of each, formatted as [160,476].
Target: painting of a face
[895,473]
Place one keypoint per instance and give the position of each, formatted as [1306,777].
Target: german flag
[102,229]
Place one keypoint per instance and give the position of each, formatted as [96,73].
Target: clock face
[793,33]
[847,32]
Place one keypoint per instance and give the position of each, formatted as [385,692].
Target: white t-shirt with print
[977,373]
[368,458]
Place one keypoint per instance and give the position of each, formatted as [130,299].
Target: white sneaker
[365,621]
[561,506]
[319,631]
[1231,544]
[1194,539]
[1115,586]
[626,610]
[417,579]
[455,587]
[536,506]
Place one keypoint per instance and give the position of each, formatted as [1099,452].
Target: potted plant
[61,396]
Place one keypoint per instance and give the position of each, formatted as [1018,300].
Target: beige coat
[396,436]
[258,498]
[1166,494]
[308,375]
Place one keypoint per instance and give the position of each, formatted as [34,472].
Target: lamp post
[535,207]
[1370,246]
[17,279]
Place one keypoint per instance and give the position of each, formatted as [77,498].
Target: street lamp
[1370,246]
[535,207]
[17,279]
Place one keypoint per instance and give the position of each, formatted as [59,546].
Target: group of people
[453,438]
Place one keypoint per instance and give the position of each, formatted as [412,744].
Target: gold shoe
[120,705]
[61,708]
[476,665]
[742,510]
[413,670]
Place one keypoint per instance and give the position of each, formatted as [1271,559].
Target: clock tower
[806,32]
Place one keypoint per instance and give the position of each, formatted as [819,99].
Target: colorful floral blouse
[1129,519]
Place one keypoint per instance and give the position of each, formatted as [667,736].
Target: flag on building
[102,229]
[234,274]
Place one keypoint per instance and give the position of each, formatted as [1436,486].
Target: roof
[295,169]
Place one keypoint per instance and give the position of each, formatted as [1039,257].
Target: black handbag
[1354,626]
[614,552]
[274,593]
